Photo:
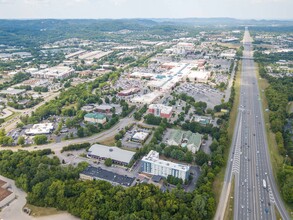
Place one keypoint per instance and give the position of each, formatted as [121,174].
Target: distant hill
[31,33]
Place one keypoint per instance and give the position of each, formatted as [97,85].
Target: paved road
[92,139]
[256,193]
[11,124]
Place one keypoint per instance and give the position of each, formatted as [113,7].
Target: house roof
[192,138]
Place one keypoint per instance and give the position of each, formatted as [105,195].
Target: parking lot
[126,140]
[201,92]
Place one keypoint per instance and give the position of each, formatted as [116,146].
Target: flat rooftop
[98,172]
[113,153]
[3,192]
[153,157]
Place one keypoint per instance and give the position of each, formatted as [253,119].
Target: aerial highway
[255,193]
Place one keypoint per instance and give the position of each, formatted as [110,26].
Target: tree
[80,132]
[119,143]
[107,100]
[201,157]
[108,162]
[20,140]
[40,139]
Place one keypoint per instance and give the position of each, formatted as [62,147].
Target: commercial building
[229,54]
[35,83]
[141,75]
[153,165]
[198,76]
[6,195]
[147,98]
[57,72]
[12,92]
[45,128]
[140,137]
[104,108]
[117,155]
[160,110]
[185,139]
[95,118]
[184,48]
[97,173]
[202,120]
[128,92]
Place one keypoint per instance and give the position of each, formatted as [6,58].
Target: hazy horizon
[151,9]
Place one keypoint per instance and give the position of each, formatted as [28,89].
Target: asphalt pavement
[255,194]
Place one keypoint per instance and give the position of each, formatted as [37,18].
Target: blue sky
[244,9]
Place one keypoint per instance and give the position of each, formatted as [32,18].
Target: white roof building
[116,154]
[147,98]
[152,164]
[45,128]
[58,72]
[198,76]
[141,75]
[140,136]
[12,91]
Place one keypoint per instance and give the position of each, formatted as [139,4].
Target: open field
[229,209]
[42,211]
[230,45]
[108,142]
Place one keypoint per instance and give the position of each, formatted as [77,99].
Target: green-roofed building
[185,139]
[95,118]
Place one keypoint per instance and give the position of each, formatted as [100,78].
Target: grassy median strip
[229,211]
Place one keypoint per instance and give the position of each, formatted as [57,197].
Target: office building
[160,110]
[153,165]
[117,155]
[95,118]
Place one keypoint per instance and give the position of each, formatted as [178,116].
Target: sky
[94,9]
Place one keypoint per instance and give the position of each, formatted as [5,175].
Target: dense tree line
[138,114]
[278,94]
[76,147]
[50,185]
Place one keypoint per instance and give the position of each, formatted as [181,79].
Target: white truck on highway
[264,183]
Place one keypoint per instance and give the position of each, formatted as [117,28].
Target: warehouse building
[153,165]
[97,173]
[118,156]
[12,92]
[57,72]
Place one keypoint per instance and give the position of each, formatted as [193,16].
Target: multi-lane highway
[255,191]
